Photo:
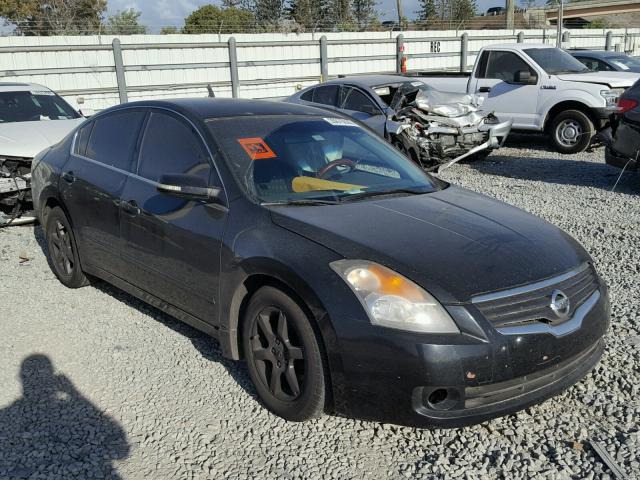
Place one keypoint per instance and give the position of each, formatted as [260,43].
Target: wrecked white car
[32,118]
[437,129]
[434,128]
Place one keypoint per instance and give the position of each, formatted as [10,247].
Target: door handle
[68,177]
[484,89]
[131,207]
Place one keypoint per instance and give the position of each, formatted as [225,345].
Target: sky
[156,13]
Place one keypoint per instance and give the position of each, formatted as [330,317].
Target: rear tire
[63,251]
[571,131]
[283,356]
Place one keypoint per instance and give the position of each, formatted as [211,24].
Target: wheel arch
[568,105]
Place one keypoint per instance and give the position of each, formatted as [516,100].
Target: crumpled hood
[611,79]
[27,139]
[455,243]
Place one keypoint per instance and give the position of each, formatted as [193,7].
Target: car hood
[27,139]
[455,243]
[611,79]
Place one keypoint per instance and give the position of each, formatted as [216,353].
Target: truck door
[496,79]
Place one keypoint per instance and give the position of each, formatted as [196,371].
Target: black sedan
[622,140]
[349,279]
[607,61]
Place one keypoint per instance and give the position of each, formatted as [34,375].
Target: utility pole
[399,5]
[560,20]
[510,13]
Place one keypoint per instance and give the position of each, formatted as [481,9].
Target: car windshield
[625,62]
[297,159]
[34,106]
[555,61]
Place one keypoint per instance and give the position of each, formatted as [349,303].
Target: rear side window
[170,146]
[326,95]
[82,138]
[307,96]
[113,138]
[504,65]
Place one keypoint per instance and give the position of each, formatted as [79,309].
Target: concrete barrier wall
[83,68]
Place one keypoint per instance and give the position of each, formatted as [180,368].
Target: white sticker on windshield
[42,92]
[340,122]
[620,64]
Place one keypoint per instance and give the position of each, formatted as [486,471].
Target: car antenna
[210,90]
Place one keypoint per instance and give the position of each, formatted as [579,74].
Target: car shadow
[52,430]
[560,170]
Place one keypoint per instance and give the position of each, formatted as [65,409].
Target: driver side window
[504,65]
[356,100]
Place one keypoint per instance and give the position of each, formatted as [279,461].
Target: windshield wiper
[379,193]
[301,201]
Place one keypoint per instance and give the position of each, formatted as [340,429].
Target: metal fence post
[324,59]
[120,78]
[464,51]
[544,35]
[520,37]
[399,52]
[233,66]
[608,42]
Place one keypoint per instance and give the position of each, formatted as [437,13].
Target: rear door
[495,80]
[359,105]
[92,181]
[173,245]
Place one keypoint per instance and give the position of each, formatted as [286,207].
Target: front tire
[571,131]
[283,356]
[63,251]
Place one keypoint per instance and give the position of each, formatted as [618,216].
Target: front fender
[589,100]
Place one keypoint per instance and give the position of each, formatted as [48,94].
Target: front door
[357,104]
[507,99]
[173,245]
[92,181]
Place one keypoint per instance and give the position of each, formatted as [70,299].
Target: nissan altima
[348,279]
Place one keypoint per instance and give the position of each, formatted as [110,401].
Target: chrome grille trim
[531,304]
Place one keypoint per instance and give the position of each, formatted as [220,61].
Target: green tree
[311,14]
[54,17]
[212,19]
[126,22]
[426,11]
[462,10]
[268,13]
[364,13]
[170,30]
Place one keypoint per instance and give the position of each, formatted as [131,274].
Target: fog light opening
[443,399]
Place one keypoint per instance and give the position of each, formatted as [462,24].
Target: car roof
[597,53]
[206,108]
[20,87]
[371,80]
[517,46]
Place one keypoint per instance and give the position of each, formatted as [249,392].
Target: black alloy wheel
[283,356]
[63,253]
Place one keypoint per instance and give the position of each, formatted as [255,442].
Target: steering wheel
[343,162]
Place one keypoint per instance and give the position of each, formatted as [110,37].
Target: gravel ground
[95,384]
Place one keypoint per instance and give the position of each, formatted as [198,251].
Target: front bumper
[613,158]
[498,134]
[457,380]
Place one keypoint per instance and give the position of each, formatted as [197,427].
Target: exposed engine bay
[15,191]
[437,129]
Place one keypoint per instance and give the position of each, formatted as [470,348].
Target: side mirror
[524,77]
[189,187]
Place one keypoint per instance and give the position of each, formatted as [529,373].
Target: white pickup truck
[541,89]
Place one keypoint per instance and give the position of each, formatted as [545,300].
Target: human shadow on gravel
[206,345]
[52,431]
[561,171]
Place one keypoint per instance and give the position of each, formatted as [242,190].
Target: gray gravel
[94,384]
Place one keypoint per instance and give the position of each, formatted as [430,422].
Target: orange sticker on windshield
[256,148]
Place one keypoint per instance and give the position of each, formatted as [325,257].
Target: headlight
[392,300]
[611,96]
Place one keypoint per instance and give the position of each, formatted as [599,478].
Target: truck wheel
[571,131]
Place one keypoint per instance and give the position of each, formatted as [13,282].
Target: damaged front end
[437,129]
[15,191]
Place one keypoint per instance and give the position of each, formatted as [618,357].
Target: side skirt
[152,300]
